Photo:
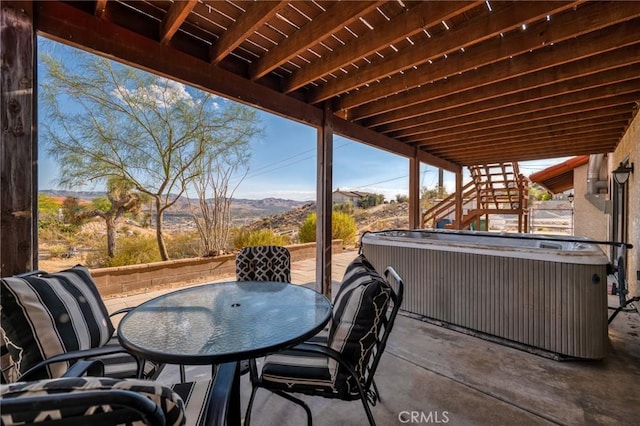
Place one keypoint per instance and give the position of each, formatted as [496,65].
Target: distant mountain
[240,207]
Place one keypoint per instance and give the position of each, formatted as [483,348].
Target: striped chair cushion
[264,263]
[358,312]
[42,316]
[169,401]
[297,372]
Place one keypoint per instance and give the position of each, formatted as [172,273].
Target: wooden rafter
[499,127]
[176,15]
[100,8]
[256,15]
[423,15]
[475,31]
[517,76]
[459,105]
[484,69]
[521,115]
[334,18]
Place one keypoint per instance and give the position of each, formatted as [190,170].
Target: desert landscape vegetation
[64,242]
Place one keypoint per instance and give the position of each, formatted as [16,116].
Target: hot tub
[541,293]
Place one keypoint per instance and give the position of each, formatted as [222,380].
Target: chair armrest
[73,356]
[326,351]
[335,355]
[79,368]
[142,406]
[220,397]
[121,311]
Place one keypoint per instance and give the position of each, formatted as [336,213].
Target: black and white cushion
[47,315]
[264,263]
[359,308]
[169,401]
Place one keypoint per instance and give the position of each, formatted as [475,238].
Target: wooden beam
[597,145]
[18,141]
[476,30]
[415,20]
[469,70]
[255,16]
[89,33]
[623,95]
[414,193]
[554,144]
[330,21]
[324,203]
[573,77]
[593,108]
[530,127]
[459,201]
[460,105]
[479,143]
[523,126]
[377,140]
[101,8]
[176,15]
[95,35]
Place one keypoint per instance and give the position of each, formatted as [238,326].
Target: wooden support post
[459,200]
[415,216]
[18,149]
[324,203]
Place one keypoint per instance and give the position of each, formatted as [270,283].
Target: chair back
[264,263]
[43,315]
[391,276]
[90,400]
[365,309]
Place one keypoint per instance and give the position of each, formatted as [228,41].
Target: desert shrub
[402,198]
[132,250]
[346,207]
[57,251]
[343,226]
[184,245]
[245,238]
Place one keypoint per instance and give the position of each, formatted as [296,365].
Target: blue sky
[283,161]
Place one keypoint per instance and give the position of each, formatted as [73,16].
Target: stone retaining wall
[140,278]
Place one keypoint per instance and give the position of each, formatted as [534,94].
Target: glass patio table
[223,322]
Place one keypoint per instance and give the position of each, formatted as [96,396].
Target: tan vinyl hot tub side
[538,293]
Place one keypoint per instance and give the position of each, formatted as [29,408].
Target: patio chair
[264,263]
[364,311]
[50,321]
[109,401]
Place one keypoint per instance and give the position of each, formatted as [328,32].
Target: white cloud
[164,94]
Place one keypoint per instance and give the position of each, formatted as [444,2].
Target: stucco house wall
[589,220]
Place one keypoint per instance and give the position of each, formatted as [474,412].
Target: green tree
[119,200]
[128,124]
[370,200]
[343,226]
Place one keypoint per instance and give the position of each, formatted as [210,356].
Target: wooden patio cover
[449,83]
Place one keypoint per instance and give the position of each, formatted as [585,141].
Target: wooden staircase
[496,188]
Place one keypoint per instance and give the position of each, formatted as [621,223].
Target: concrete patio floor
[442,376]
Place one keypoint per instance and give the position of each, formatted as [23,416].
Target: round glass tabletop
[223,322]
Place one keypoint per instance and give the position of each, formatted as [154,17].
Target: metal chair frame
[367,390]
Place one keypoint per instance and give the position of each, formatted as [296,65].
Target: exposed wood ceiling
[453,82]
